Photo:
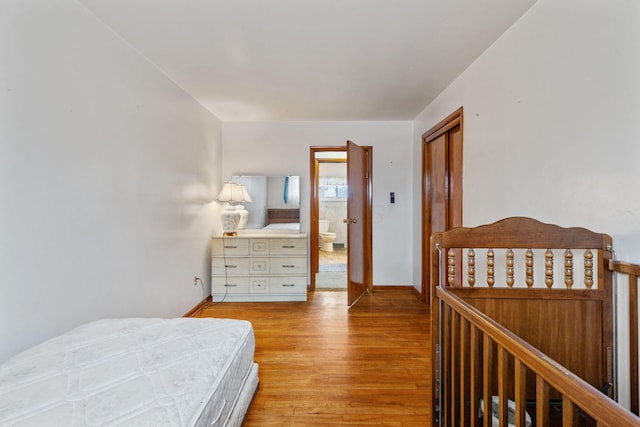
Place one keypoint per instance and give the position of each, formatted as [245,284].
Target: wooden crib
[523,322]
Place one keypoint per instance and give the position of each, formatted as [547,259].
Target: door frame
[314,209]
[454,189]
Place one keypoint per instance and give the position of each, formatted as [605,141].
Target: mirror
[275,202]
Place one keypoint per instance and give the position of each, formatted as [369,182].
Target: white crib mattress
[138,372]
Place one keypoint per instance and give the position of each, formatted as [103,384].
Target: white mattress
[138,372]
[290,226]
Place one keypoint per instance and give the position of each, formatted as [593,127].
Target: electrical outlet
[195,280]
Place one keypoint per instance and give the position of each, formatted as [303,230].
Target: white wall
[551,125]
[282,148]
[104,165]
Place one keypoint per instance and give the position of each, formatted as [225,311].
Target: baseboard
[418,294]
[413,290]
[393,288]
[198,308]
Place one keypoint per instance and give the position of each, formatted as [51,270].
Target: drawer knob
[231,247]
[288,246]
[231,266]
[288,285]
[230,285]
[288,266]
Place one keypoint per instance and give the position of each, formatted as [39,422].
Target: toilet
[326,237]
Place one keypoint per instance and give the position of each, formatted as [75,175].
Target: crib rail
[478,356]
[523,311]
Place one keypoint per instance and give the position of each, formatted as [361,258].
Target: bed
[285,220]
[136,372]
[514,301]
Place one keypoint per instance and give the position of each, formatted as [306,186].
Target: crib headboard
[548,284]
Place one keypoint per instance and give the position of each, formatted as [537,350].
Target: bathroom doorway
[332,230]
[329,208]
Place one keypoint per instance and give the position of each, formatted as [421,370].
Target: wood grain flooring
[323,364]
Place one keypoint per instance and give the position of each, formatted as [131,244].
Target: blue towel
[286,189]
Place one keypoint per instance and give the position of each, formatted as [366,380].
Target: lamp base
[230,219]
[229,234]
[244,217]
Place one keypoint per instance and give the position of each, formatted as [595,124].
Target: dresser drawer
[258,247]
[259,285]
[259,266]
[288,285]
[230,285]
[230,246]
[288,246]
[288,265]
[230,266]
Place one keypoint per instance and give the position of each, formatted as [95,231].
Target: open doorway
[332,230]
[356,196]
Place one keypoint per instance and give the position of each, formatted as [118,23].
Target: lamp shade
[245,194]
[232,192]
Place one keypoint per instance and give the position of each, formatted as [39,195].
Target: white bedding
[293,226]
[138,372]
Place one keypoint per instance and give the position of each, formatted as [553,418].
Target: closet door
[441,187]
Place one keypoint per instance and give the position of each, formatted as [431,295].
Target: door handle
[350,220]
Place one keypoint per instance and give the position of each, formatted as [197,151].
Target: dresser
[259,267]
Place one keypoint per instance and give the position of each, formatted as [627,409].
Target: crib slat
[451,267]
[503,376]
[474,374]
[490,268]
[568,268]
[542,401]
[464,369]
[509,263]
[455,317]
[471,267]
[548,268]
[487,370]
[568,412]
[588,268]
[520,392]
[445,374]
[529,267]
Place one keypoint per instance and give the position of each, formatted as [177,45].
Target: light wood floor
[323,364]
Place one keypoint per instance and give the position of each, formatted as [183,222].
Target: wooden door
[314,226]
[441,186]
[362,240]
[358,271]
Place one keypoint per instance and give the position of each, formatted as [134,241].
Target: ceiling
[260,60]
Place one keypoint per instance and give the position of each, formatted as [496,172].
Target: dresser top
[266,234]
